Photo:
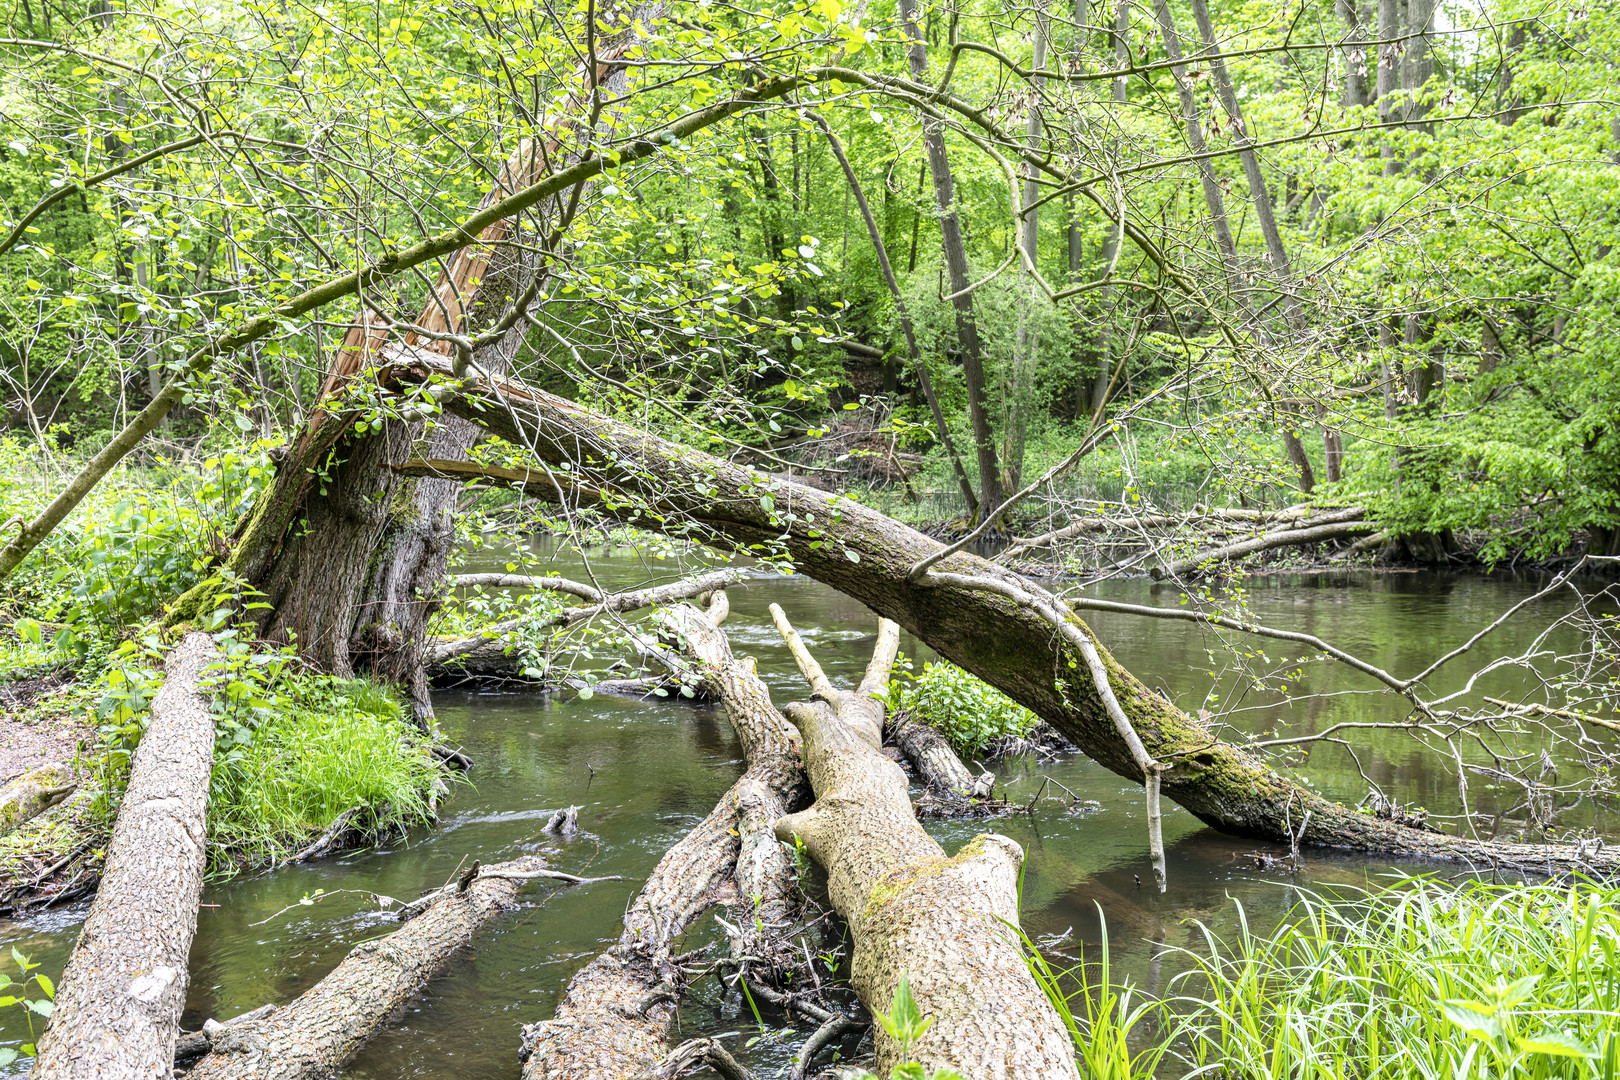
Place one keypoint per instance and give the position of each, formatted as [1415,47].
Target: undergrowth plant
[969,712]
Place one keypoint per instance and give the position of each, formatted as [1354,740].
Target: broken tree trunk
[615,1016]
[943,923]
[627,472]
[938,765]
[1312,534]
[118,1008]
[325,1026]
[35,792]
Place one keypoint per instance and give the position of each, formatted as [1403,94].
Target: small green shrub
[962,707]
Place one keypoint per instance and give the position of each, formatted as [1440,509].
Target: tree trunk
[930,753]
[1018,388]
[321,1029]
[991,495]
[1329,527]
[941,923]
[870,557]
[615,1016]
[356,585]
[1101,386]
[118,1008]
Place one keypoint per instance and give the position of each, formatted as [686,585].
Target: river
[645,771]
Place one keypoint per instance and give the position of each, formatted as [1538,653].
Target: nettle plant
[16,993]
[969,712]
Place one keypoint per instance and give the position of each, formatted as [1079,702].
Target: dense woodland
[340,341]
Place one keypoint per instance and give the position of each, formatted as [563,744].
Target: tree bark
[1312,534]
[1005,643]
[940,922]
[930,753]
[314,1035]
[35,792]
[991,495]
[118,1008]
[615,1016]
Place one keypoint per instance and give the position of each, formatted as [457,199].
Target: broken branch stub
[944,923]
[118,1008]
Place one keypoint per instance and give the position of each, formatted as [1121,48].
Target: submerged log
[326,1025]
[34,792]
[641,479]
[615,1016]
[931,754]
[118,1008]
[940,922]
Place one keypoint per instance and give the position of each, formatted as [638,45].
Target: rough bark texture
[1004,643]
[35,792]
[931,755]
[324,1027]
[615,1016]
[118,1008]
[939,921]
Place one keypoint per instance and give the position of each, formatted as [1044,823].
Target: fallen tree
[1331,526]
[944,924]
[118,1007]
[316,1033]
[639,478]
[616,1013]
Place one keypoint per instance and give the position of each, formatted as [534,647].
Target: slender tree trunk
[1353,56]
[1109,300]
[1019,385]
[991,493]
[118,1008]
[1388,78]
[918,364]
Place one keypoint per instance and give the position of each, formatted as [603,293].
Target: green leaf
[1474,1017]
[1556,1044]
[586,693]
[46,985]
[7,1055]
[43,1008]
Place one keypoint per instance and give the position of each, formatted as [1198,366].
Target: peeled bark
[615,1016]
[324,1027]
[118,1008]
[940,922]
[35,792]
[627,471]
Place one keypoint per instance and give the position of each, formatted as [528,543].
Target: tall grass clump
[1424,981]
[332,745]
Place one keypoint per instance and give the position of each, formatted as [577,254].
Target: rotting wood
[119,1003]
[324,1027]
[941,922]
[641,479]
[36,791]
[616,1013]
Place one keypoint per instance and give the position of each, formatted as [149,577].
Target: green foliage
[14,993]
[1426,980]
[961,706]
[905,1024]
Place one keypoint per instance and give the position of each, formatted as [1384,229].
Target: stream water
[644,772]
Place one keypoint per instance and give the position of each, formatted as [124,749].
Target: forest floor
[31,737]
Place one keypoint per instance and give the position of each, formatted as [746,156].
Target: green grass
[1426,981]
[338,744]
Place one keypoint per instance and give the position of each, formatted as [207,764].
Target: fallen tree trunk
[35,792]
[118,1008]
[644,480]
[1313,533]
[930,753]
[615,1016]
[943,924]
[484,653]
[325,1026]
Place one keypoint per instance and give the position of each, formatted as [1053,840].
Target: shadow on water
[644,772]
